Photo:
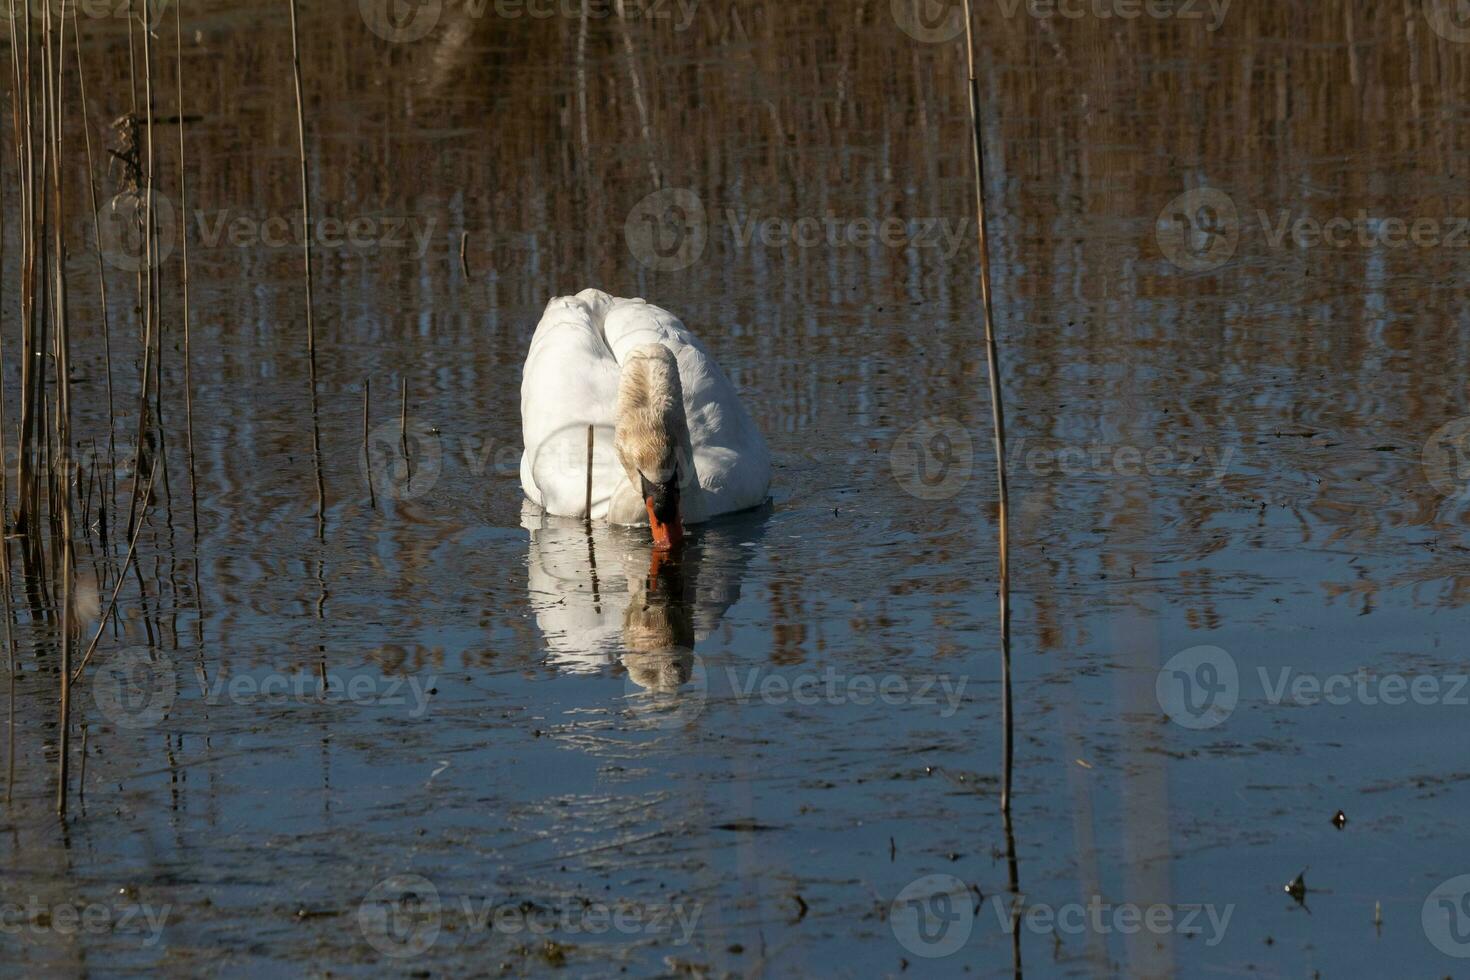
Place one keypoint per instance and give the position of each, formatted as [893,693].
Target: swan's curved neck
[652,439]
[651,427]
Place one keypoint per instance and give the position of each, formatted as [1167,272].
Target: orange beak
[667,535]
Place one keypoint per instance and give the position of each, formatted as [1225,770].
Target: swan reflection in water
[658,626]
[603,598]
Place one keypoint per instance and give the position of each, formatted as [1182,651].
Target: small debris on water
[1297,887]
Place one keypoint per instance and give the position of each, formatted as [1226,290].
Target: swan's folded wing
[570,383]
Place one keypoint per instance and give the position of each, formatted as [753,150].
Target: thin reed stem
[367,391]
[590,443]
[62,474]
[316,437]
[403,430]
[149,292]
[82,776]
[10,662]
[101,289]
[121,577]
[5,513]
[184,209]
[305,181]
[997,410]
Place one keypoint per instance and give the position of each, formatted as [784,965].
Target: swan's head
[651,432]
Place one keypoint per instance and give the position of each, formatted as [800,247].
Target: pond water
[405,726]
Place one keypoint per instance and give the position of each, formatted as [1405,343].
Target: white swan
[672,445]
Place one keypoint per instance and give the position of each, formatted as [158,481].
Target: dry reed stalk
[26,489]
[316,437]
[10,662]
[188,354]
[132,182]
[367,390]
[403,430]
[4,473]
[590,431]
[82,775]
[102,294]
[45,339]
[997,408]
[188,347]
[117,587]
[644,118]
[132,58]
[305,184]
[85,488]
[582,85]
[4,477]
[1013,879]
[4,517]
[147,273]
[61,482]
[36,281]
